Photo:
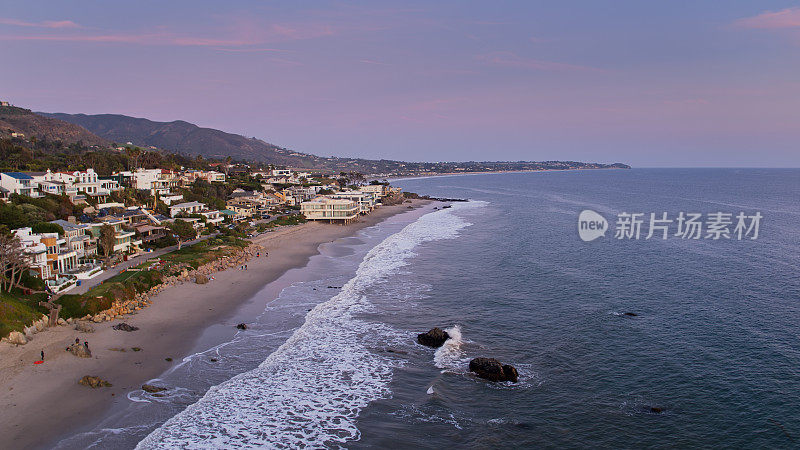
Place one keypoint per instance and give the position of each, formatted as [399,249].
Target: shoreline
[47,404]
[494,172]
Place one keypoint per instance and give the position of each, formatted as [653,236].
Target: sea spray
[310,390]
[450,355]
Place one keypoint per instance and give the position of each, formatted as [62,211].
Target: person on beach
[77,340]
[42,355]
[86,344]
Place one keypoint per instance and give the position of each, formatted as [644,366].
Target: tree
[108,237]
[228,160]
[47,227]
[183,230]
[13,261]
[133,155]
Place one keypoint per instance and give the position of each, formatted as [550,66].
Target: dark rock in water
[334,287]
[399,352]
[151,389]
[213,359]
[242,326]
[433,338]
[656,410]
[630,314]
[493,370]
[124,327]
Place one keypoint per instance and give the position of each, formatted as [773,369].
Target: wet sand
[44,403]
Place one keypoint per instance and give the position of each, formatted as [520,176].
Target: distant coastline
[453,174]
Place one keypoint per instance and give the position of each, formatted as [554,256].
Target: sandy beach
[43,403]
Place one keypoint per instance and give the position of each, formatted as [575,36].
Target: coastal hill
[189,139]
[15,121]
[186,138]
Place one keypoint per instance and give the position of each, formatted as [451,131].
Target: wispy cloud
[772,20]
[373,62]
[45,24]
[242,33]
[510,59]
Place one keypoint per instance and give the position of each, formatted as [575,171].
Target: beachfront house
[332,210]
[366,200]
[378,189]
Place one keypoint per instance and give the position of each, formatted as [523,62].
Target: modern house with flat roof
[330,209]
[366,200]
[19,183]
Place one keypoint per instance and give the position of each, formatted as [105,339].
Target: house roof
[18,175]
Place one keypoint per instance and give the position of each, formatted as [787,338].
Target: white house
[186,208]
[330,209]
[19,183]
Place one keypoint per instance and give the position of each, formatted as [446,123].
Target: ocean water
[711,359]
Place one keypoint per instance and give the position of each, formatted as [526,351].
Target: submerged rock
[629,314]
[493,370]
[242,326]
[94,382]
[433,338]
[152,389]
[124,327]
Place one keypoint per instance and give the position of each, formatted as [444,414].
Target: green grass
[126,285]
[18,311]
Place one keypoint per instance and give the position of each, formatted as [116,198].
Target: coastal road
[88,284]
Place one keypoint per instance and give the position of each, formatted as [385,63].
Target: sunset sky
[667,84]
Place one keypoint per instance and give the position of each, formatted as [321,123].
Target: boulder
[152,389]
[201,279]
[84,327]
[61,321]
[629,314]
[94,382]
[15,337]
[124,327]
[493,370]
[79,350]
[433,338]
[242,326]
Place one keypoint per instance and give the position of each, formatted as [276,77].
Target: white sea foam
[310,390]
[450,355]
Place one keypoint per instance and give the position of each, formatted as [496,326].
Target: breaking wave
[450,355]
[311,389]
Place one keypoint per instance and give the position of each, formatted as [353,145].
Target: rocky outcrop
[152,389]
[433,338]
[242,326]
[201,279]
[17,338]
[94,382]
[79,350]
[493,370]
[84,327]
[124,327]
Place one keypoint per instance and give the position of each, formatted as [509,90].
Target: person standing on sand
[42,354]
[77,340]
[86,344]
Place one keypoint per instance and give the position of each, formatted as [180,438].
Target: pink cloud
[787,18]
[510,59]
[45,24]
